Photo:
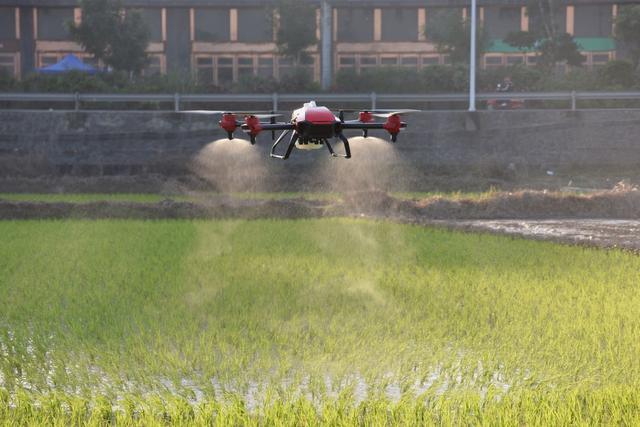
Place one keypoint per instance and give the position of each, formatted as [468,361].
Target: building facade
[224,41]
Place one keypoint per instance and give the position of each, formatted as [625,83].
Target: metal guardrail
[274,99]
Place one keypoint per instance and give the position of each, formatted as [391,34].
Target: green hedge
[296,81]
[615,75]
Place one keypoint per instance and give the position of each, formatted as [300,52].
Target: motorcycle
[505,104]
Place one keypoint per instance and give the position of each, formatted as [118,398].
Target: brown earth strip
[520,205]
[605,219]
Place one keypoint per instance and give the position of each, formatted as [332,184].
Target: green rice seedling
[332,321]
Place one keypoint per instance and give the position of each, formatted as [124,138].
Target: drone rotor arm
[276,126]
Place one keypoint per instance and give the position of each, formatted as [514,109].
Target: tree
[553,45]
[129,44]
[561,48]
[296,23]
[522,40]
[452,35]
[627,25]
[116,38]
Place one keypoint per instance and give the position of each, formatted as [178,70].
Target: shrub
[445,78]
[615,75]
[525,79]
[73,81]
[618,74]
[7,82]
[298,80]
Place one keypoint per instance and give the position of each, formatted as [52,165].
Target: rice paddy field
[311,322]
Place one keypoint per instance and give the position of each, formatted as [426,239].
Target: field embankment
[605,219]
[493,205]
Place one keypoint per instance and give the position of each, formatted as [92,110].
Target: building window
[224,70]
[255,25]
[515,60]
[409,61]
[430,60]
[389,61]
[593,20]
[52,23]
[368,62]
[493,61]
[500,21]
[599,59]
[47,60]
[154,66]
[286,67]
[399,24]
[347,62]
[245,67]
[7,23]
[532,60]
[212,25]
[153,19]
[355,25]
[204,69]
[308,64]
[537,25]
[436,15]
[265,67]
[7,64]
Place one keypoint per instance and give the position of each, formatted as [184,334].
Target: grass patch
[87,197]
[154,198]
[363,320]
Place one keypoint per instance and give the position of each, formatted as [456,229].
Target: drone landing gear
[347,149]
[292,143]
[294,138]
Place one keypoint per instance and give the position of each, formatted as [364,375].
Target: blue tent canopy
[68,63]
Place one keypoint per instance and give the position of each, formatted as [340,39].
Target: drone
[311,127]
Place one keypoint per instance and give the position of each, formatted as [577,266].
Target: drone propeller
[380,113]
[388,113]
[257,114]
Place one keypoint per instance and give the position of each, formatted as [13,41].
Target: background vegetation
[615,75]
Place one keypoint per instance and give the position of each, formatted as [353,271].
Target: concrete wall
[436,143]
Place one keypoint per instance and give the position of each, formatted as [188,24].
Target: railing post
[573,100]
[274,101]
[176,102]
[76,101]
[373,100]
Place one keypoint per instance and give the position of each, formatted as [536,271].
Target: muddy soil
[608,233]
[609,219]
[430,182]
